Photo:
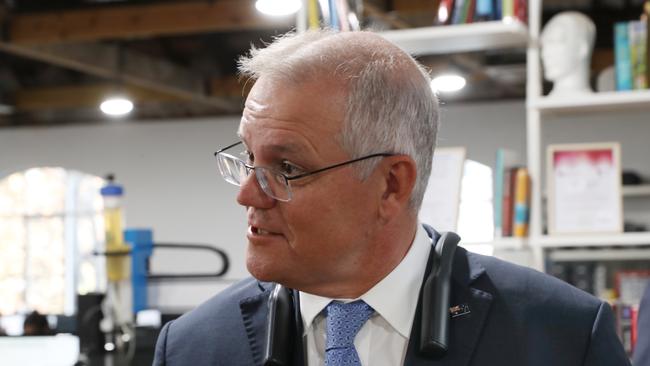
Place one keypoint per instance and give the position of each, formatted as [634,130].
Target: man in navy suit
[334,155]
[642,348]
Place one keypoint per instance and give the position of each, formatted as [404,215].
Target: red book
[509,183]
[635,319]
[521,10]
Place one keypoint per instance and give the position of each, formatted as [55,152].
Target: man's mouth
[259,231]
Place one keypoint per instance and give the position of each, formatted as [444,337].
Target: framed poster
[442,196]
[584,188]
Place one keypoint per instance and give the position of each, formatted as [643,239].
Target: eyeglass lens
[234,171]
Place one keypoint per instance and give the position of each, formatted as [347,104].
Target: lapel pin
[459,310]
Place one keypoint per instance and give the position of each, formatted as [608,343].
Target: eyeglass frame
[288,179]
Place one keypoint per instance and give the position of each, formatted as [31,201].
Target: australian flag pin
[459,310]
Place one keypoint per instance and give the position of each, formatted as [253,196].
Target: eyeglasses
[274,183]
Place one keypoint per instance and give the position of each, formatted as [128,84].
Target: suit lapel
[254,313]
[464,328]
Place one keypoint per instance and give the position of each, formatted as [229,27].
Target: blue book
[484,10]
[637,40]
[334,16]
[458,15]
[498,9]
[622,62]
[505,159]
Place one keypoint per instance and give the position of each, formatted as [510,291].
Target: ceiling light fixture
[448,83]
[116,106]
[278,7]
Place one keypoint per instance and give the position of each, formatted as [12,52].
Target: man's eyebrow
[277,148]
[284,148]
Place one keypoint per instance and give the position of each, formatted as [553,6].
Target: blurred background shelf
[460,38]
[591,103]
[594,240]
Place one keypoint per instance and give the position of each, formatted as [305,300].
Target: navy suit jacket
[642,349]
[517,317]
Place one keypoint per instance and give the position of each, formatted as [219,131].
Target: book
[637,43]
[646,17]
[510,180]
[459,12]
[521,10]
[484,10]
[470,9]
[312,14]
[334,16]
[622,65]
[507,9]
[505,159]
[498,9]
[445,11]
[521,203]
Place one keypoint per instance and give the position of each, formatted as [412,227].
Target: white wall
[171,183]
[173,186]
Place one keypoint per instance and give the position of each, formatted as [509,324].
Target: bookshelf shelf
[597,102]
[594,240]
[573,255]
[460,38]
[636,191]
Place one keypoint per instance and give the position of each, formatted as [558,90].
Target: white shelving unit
[594,103]
[606,254]
[460,38]
[514,34]
[538,108]
[594,240]
[636,191]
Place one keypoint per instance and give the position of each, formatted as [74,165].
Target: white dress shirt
[383,339]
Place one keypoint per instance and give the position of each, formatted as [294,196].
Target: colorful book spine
[521,10]
[504,159]
[498,9]
[637,40]
[508,199]
[470,10]
[334,16]
[521,199]
[312,14]
[507,9]
[646,13]
[445,12]
[484,10]
[622,65]
[458,14]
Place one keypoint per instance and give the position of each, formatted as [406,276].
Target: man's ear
[399,177]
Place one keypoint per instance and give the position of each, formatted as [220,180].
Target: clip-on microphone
[434,330]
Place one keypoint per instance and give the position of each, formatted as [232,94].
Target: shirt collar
[394,298]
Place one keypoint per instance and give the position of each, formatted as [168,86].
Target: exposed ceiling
[59,58]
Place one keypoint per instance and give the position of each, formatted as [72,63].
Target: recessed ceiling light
[278,7]
[116,106]
[448,83]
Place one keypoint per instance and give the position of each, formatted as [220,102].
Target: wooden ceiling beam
[75,96]
[91,95]
[124,66]
[140,21]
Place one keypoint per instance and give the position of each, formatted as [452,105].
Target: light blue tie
[343,323]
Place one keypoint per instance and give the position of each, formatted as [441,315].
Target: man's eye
[289,169]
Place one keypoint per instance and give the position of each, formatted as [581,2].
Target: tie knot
[344,320]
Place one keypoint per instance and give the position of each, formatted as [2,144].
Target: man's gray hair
[390,106]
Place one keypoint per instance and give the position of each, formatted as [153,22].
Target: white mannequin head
[567,43]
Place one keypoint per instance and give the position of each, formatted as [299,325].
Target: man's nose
[251,194]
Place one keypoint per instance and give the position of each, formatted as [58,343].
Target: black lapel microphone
[284,327]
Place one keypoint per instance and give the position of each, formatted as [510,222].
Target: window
[50,224]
